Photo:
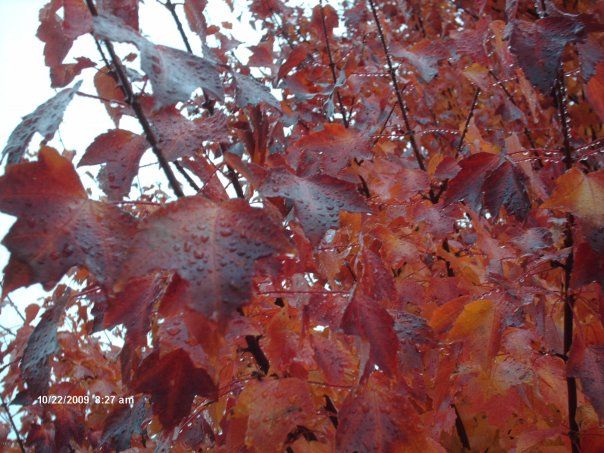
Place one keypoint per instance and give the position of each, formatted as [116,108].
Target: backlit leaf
[58,226]
[45,120]
[120,151]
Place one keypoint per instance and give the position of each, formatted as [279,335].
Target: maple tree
[384,232]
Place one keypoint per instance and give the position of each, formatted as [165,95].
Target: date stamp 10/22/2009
[84,399]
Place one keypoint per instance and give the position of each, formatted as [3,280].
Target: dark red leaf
[251,92]
[42,344]
[318,200]
[375,417]
[64,74]
[172,381]
[324,14]
[58,226]
[295,57]
[366,318]
[174,74]
[329,150]
[123,423]
[194,11]
[538,45]
[595,90]
[133,306]
[58,34]
[490,181]
[126,10]
[424,56]
[120,151]
[181,137]
[273,408]
[207,242]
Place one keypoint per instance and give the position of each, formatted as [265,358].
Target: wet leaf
[45,120]
[172,381]
[58,226]
[206,242]
[120,151]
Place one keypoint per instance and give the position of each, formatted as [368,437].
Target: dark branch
[332,66]
[12,423]
[132,100]
[567,295]
[468,119]
[253,347]
[399,97]
[461,430]
[172,8]
[527,133]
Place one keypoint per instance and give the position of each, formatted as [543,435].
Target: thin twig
[8,331]
[172,8]
[12,304]
[468,119]
[99,98]
[401,103]
[332,66]
[4,367]
[126,86]
[12,423]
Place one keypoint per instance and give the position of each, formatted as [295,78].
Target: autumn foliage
[383,232]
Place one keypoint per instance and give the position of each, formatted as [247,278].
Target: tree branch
[468,119]
[12,423]
[399,98]
[332,66]
[567,295]
[231,173]
[253,347]
[461,430]
[132,100]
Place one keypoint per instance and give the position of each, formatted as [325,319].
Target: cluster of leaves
[384,232]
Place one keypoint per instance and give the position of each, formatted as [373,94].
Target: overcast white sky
[25,84]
